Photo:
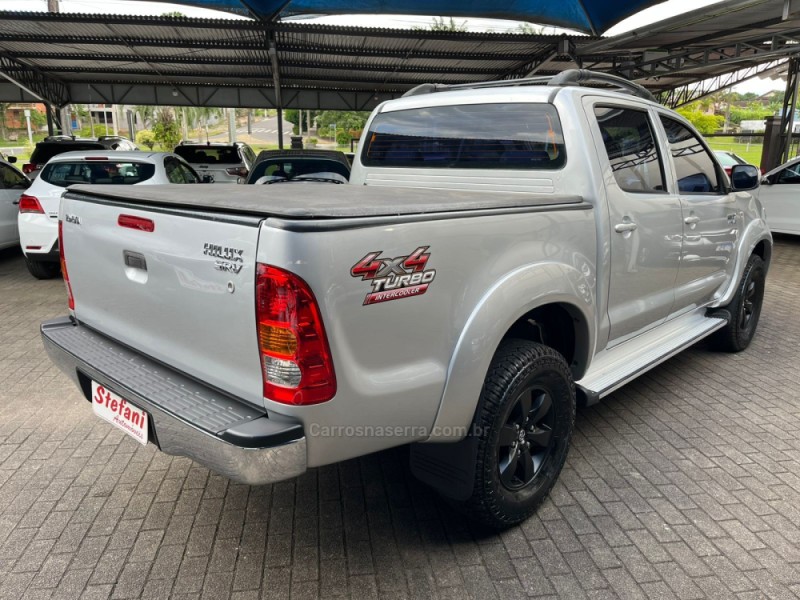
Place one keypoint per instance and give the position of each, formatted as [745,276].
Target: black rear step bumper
[187,418]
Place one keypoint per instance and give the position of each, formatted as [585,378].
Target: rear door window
[100,172]
[631,149]
[474,136]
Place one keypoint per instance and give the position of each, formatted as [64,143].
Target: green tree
[203,115]
[704,123]
[445,24]
[3,109]
[166,130]
[38,119]
[146,113]
[529,29]
[146,138]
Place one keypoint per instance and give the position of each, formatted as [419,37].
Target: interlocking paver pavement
[685,484]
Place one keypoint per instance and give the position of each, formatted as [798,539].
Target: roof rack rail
[570,77]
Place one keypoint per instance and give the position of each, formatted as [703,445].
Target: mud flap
[448,468]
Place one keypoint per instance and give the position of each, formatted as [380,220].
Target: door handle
[625,227]
[15,203]
[732,218]
[692,221]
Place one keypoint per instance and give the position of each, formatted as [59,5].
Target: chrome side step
[615,367]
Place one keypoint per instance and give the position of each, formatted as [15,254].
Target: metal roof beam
[257,44]
[242,62]
[33,81]
[762,49]
[689,93]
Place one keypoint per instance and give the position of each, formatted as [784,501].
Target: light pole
[28,119]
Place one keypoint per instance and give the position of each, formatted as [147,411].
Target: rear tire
[42,270]
[524,425]
[745,310]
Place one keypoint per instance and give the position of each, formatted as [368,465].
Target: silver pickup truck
[503,252]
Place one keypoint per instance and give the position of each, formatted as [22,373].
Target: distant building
[15,114]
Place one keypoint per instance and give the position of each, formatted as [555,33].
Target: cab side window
[631,149]
[694,165]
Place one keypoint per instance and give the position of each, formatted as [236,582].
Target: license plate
[119,412]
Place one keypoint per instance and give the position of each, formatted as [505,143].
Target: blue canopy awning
[589,16]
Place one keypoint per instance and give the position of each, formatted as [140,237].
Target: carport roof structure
[63,58]
[588,16]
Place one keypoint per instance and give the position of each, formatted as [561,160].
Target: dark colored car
[58,144]
[275,166]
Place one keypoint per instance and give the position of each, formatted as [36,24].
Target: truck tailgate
[182,293]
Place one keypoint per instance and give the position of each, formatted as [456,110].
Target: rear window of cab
[474,136]
[65,173]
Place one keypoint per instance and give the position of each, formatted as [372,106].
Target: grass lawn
[751,153]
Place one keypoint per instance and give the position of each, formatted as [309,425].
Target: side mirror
[744,177]
[12,159]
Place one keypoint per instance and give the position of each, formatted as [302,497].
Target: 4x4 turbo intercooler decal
[395,278]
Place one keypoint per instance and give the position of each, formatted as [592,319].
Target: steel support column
[789,105]
[276,78]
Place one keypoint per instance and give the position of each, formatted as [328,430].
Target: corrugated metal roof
[78,49]
[82,48]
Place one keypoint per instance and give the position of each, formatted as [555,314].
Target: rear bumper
[38,235]
[187,418]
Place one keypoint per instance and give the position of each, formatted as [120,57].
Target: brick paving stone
[684,484]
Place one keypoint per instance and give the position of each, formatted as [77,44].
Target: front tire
[745,310]
[524,425]
[42,270]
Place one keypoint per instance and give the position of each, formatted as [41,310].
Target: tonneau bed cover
[317,201]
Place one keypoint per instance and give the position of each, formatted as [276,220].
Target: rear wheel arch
[764,250]
[559,325]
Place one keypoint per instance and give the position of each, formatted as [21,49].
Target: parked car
[38,207]
[55,145]
[728,160]
[780,195]
[224,163]
[286,165]
[485,269]
[12,185]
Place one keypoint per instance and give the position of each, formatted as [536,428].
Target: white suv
[38,206]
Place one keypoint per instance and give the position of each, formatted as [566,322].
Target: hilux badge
[231,259]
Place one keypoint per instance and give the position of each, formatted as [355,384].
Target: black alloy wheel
[526,440]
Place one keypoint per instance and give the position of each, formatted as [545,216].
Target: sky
[665,10]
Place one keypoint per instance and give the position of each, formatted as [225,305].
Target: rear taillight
[140,223]
[29,168]
[64,264]
[295,357]
[237,171]
[30,204]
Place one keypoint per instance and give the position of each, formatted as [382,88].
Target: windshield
[64,174]
[289,168]
[209,155]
